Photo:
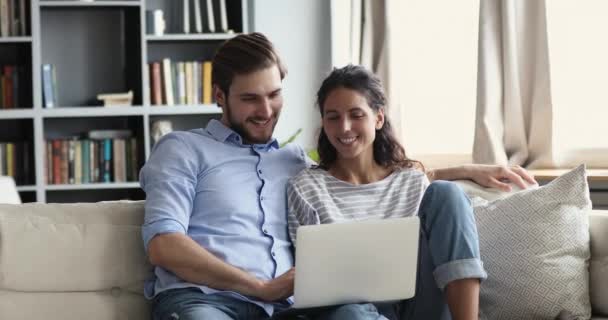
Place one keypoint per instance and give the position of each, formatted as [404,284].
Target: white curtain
[514,111]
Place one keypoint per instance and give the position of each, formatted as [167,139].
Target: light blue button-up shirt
[227,196]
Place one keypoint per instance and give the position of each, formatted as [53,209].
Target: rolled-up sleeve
[169,179]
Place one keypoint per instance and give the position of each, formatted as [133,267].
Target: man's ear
[380,119]
[219,95]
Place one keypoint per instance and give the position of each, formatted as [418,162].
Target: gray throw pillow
[535,247]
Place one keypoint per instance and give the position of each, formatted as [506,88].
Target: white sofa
[86,261]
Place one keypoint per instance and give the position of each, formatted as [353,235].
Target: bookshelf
[99,47]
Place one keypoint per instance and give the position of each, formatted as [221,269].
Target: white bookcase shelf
[60,33]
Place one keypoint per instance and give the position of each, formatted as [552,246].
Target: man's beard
[242,131]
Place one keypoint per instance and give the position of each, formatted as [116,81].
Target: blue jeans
[193,304]
[448,250]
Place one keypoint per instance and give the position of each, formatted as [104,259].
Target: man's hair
[244,54]
[388,152]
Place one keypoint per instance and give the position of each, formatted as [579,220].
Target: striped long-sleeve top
[316,197]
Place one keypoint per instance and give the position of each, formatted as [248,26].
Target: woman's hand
[489,176]
[495,176]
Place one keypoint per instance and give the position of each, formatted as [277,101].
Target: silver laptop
[366,261]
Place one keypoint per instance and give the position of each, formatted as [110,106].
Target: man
[216,224]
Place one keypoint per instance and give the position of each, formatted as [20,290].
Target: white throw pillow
[535,248]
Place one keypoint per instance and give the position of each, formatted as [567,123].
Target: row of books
[192,16]
[10,78]
[15,161]
[180,83]
[76,161]
[13,21]
[49,85]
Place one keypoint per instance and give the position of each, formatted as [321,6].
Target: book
[47,85]
[210,16]
[181,82]
[13,19]
[71,160]
[155,85]
[134,160]
[2,102]
[207,66]
[25,176]
[94,158]
[198,22]
[150,22]
[8,87]
[107,160]
[86,158]
[48,163]
[65,154]
[109,134]
[54,85]
[22,18]
[4,18]
[189,82]
[168,82]
[16,103]
[2,160]
[155,22]
[120,172]
[223,16]
[78,162]
[186,16]
[56,162]
[10,160]
[196,82]
[128,162]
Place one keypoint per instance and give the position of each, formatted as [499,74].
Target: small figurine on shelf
[116,99]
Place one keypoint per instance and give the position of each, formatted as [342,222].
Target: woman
[364,173]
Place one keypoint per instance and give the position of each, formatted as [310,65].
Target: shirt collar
[221,133]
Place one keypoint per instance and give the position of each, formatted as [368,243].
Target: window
[578,55]
[434,53]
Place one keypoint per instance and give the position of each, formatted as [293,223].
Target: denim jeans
[193,304]
[448,250]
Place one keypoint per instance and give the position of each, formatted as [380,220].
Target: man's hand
[278,288]
[489,176]
[494,176]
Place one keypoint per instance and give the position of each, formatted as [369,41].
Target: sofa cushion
[535,248]
[72,247]
[598,268]
[104,305]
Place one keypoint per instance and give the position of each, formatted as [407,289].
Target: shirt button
[265,231]
[262,198]
[260,171]
[273,254]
